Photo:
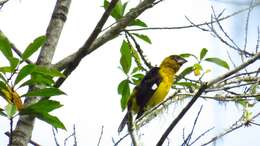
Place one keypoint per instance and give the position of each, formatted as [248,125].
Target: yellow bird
[153,88]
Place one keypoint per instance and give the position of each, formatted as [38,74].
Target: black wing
[145,90]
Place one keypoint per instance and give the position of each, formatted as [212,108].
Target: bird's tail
[123,123]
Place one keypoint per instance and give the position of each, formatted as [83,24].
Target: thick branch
[25,124]
[54,29]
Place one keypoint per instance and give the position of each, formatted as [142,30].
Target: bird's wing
[146,89]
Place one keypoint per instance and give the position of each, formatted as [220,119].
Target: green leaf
[2,77]
[2,113]
[43,105]
[138,76]
[41,110]
[124,90]
[48,71]
[13,63]
[143,37]
[185,55]
[203,53]
[39,79]
[136,69]
[138,22]
[25,71]
[243,102]
[137,59]
[10,110]
[118,11]
[5,46]
[185,72]
[3,85]
[6,69]
[52,120]
[218,61]
[126,58]
[33,47]
[46,92]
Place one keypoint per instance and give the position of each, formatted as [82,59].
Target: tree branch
[203,87]
[197,25]
[238,124]
[85,49]
[54,30]
[108,35]
[25,124]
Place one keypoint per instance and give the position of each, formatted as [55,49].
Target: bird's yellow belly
[160,93]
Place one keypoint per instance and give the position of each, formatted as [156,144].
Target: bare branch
[122,138]
[258,40]
[100,136]
[201,135]
[55,137]
[238,124]
[247,22]
[2,3]
[196,25]
[187,140]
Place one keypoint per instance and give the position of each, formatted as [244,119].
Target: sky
[92,100]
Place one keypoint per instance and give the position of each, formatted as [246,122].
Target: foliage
[18,75]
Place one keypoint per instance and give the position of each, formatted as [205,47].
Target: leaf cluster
[18,75]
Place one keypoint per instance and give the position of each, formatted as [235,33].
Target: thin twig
[187,140]
[197,25]
[201,135]
[11,131]
[238,124]
[19,53]
[258,40]
[116,143]
[247,23]
[139,50]
[233,45]
[55,137]
[75,136]
[100,136]
[67,138]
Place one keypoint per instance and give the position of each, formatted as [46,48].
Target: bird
[153,88]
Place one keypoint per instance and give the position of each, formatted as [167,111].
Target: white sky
[92,99]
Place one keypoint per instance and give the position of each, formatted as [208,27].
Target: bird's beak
[181,60]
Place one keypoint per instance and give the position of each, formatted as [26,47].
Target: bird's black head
[178,59]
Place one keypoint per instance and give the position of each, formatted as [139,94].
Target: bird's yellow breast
[163,88]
